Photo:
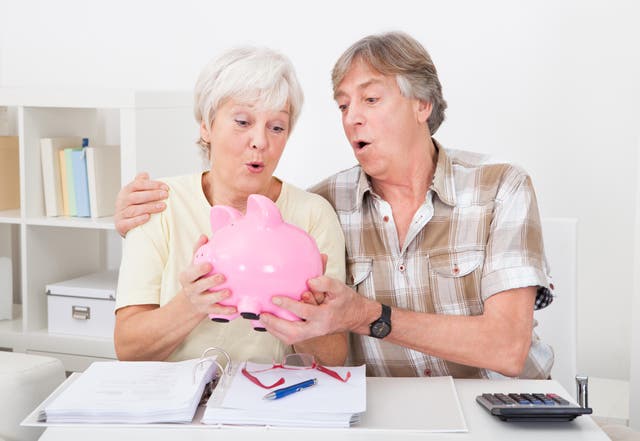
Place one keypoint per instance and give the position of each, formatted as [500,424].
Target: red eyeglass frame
[314,365]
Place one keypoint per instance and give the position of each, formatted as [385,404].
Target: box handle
[81,312]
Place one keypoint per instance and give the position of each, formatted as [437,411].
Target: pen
[283,392]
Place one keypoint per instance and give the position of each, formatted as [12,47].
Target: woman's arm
[153,332]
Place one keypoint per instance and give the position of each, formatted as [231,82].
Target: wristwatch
[381,327]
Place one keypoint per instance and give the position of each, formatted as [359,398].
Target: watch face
[380,329]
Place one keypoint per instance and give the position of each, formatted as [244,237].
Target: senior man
[445,259]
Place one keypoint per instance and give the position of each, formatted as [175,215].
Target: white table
[481,424]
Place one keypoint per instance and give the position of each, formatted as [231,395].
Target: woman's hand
[199,287]
[136,202]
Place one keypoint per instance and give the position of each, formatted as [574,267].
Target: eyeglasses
[294,362]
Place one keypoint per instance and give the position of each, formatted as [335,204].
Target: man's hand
[341,309]
[136,202]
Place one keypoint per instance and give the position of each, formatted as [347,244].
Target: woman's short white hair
[251,75]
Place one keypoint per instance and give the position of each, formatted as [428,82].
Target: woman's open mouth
[255,167]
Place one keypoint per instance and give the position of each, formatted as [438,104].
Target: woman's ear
[204,132]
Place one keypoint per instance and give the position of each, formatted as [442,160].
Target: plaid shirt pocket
[358,269]
[455,282]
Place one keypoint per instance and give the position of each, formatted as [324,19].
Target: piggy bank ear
[221,216]
[263,211]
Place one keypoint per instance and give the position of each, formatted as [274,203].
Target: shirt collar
[364,186]
[443,181]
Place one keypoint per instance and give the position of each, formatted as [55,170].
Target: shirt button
[401,267]
[455,269]
[386,218]
[427,372]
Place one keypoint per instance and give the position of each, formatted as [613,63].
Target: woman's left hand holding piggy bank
[199,287]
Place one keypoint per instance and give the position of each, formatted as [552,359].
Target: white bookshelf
[156,133]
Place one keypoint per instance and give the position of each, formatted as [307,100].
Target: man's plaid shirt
[478,233]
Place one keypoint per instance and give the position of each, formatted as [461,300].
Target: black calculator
[531,407]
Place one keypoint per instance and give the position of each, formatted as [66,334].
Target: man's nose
[353,115]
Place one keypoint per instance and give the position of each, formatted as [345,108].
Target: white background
[551,85]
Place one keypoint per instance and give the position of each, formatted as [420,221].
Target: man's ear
[423,110]
[204,131]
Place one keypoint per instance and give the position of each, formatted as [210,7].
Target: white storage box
[83,306]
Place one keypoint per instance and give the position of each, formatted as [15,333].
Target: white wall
[552,85]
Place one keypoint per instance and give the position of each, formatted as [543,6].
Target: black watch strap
[382,326]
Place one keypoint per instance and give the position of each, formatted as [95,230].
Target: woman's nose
[259,140]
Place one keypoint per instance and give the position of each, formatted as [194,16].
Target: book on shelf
[80,182]
[9,173]
[103,176]
[52,183]
[64,182]
[71,190]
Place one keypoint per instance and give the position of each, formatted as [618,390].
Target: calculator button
[506,400]
[545,399]
[533,399]
[492,399]
[558,399]
[520,399]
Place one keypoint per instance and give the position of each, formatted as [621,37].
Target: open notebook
[330,403]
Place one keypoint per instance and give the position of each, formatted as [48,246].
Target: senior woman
[246,102]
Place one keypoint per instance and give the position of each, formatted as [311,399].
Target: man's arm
[499,339]
[137,201]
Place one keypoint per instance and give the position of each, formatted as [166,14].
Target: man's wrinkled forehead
[366,76]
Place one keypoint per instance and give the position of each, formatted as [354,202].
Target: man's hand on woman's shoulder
[136,202]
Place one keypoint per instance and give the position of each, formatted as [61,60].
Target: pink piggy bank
[260,256]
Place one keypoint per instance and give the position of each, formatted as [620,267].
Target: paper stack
[330,403]
[132,392]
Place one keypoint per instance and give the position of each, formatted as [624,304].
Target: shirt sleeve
[144,256]
[515,252]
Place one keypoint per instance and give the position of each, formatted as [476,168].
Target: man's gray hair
[396,53]
[249,75]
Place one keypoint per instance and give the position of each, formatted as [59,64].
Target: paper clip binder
[221,374]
